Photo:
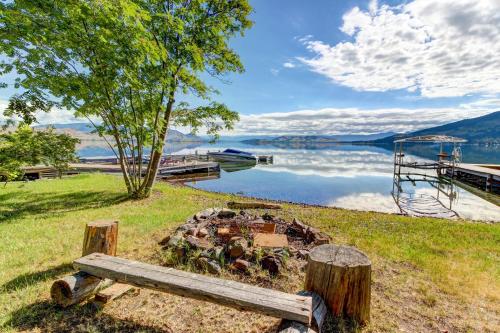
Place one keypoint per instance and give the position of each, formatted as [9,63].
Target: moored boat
[232,155]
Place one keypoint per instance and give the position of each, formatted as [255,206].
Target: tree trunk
[100,237]
[341,275]
[152,170]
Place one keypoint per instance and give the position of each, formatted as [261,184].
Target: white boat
[232,155]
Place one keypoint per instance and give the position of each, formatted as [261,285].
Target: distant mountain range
[83,131]
[305,140]
[480,130]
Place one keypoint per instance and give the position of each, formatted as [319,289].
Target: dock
[194,169]
[484,176]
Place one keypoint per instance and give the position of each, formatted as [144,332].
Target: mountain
[480,130]
[301,140]
[83,131]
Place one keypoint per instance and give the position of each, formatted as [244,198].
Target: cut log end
[76,288]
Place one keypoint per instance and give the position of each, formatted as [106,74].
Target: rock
[207,213]
[208,253]
[164,241]
[174,240]
[185,227]
[219,254]
[226,214]
[203,232]
[293,251]
[271,263]
[209,265]
[237,247]
[241,265]
[198,243]
[192,232]
[267,217]
[303,254]
[316,237]
[321,239]
[299,227]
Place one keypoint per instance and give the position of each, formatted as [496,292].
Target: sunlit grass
[42,224]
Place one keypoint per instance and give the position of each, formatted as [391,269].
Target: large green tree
[125,63]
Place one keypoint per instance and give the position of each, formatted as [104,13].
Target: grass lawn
[428,274]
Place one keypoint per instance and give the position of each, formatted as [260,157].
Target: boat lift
[426,171]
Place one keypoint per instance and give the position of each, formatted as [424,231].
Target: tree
[126,62]
[27,147]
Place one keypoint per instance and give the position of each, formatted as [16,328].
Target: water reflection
[353,177]
[347,176]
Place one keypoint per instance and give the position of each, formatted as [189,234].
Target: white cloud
[56,116]
[442,48]
[289,64]
[274,71]
[335,121]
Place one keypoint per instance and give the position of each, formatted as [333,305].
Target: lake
[346,176]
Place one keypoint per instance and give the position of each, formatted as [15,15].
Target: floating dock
[484,176]
[179,169]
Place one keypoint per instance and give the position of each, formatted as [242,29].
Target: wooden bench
[230,293]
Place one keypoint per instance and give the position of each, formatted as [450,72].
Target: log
[101,237]
[252,205]
[230,293]
[341,276]
[319,316]
[76,288]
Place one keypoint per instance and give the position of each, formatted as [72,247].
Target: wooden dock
[484,176]
[165,171]
[168,171]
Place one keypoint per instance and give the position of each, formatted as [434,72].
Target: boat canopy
[236,151]
[432,138]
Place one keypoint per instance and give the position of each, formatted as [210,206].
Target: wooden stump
[75,288]
[341,275]
[101,237]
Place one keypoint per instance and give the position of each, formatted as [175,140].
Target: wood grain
[100,236]
[341,275]
[230,293]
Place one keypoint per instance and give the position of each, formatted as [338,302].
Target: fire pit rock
[216,238]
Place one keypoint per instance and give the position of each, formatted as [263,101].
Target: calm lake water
[347,176]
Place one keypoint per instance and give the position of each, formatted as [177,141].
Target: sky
[359,67]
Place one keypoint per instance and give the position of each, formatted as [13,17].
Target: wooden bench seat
[230,293]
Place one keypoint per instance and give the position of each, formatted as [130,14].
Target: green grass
[42,224]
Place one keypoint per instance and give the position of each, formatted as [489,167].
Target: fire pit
[218,238]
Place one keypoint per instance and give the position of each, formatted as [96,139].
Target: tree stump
[341,275]
[100,236]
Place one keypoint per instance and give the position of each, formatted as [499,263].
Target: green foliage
[24,107]
[125,62]
[26,147]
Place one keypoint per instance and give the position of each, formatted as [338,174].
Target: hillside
[480,130]
[294,140]
[83,131]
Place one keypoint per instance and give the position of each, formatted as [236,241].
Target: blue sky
[361,67]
